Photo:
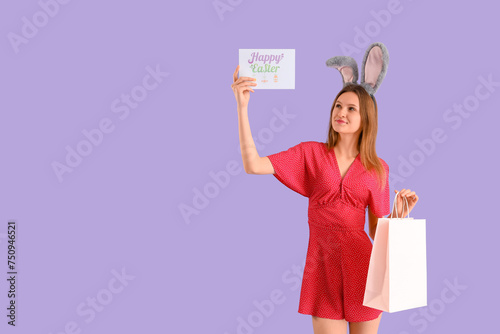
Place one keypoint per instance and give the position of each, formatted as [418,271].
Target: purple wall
[118,117]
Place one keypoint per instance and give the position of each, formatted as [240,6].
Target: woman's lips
[340,122]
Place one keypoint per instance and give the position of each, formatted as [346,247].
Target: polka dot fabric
[339,249]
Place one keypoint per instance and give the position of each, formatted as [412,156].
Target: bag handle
[407,207]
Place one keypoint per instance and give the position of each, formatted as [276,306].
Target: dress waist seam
[320,205]
[336,228]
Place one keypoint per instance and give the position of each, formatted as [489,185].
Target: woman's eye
[350,108]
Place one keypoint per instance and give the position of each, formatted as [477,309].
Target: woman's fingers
[410,196]
[242,86]
[235,74]
[245,86]
[406,193]
[240,79]
[246,79]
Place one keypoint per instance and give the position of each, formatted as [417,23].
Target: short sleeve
[290,168]
[379,201]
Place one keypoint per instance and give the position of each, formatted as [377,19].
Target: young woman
[341,177]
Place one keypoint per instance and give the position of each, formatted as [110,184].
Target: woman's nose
[341,112]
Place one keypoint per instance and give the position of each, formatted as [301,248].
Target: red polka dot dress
[339,249]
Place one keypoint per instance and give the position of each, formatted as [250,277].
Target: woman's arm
[372,223]
[252,162]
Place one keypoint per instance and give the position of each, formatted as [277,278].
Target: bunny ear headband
[373,68]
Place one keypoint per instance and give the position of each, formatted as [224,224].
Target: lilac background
[121,207]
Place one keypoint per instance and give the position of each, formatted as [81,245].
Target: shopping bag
[397,272]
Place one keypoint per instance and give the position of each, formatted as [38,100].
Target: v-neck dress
[339,249]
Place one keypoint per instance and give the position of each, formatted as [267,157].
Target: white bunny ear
[374,67]
[347,67]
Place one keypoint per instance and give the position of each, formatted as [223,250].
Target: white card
[273,68]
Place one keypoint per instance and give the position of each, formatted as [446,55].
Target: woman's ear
[374,67]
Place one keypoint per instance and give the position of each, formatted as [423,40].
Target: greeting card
[273,68]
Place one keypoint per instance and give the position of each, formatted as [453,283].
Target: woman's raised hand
[412,199]
[241,88]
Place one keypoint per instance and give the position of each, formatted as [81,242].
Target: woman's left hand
[412,199]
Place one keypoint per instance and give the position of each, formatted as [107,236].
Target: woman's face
[346,117]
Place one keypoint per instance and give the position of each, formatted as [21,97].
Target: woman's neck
[347,146]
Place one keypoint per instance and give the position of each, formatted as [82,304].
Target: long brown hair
[368,135]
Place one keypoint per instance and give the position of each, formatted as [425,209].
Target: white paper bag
[397,273]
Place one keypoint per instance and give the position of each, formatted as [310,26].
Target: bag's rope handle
[407,207]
